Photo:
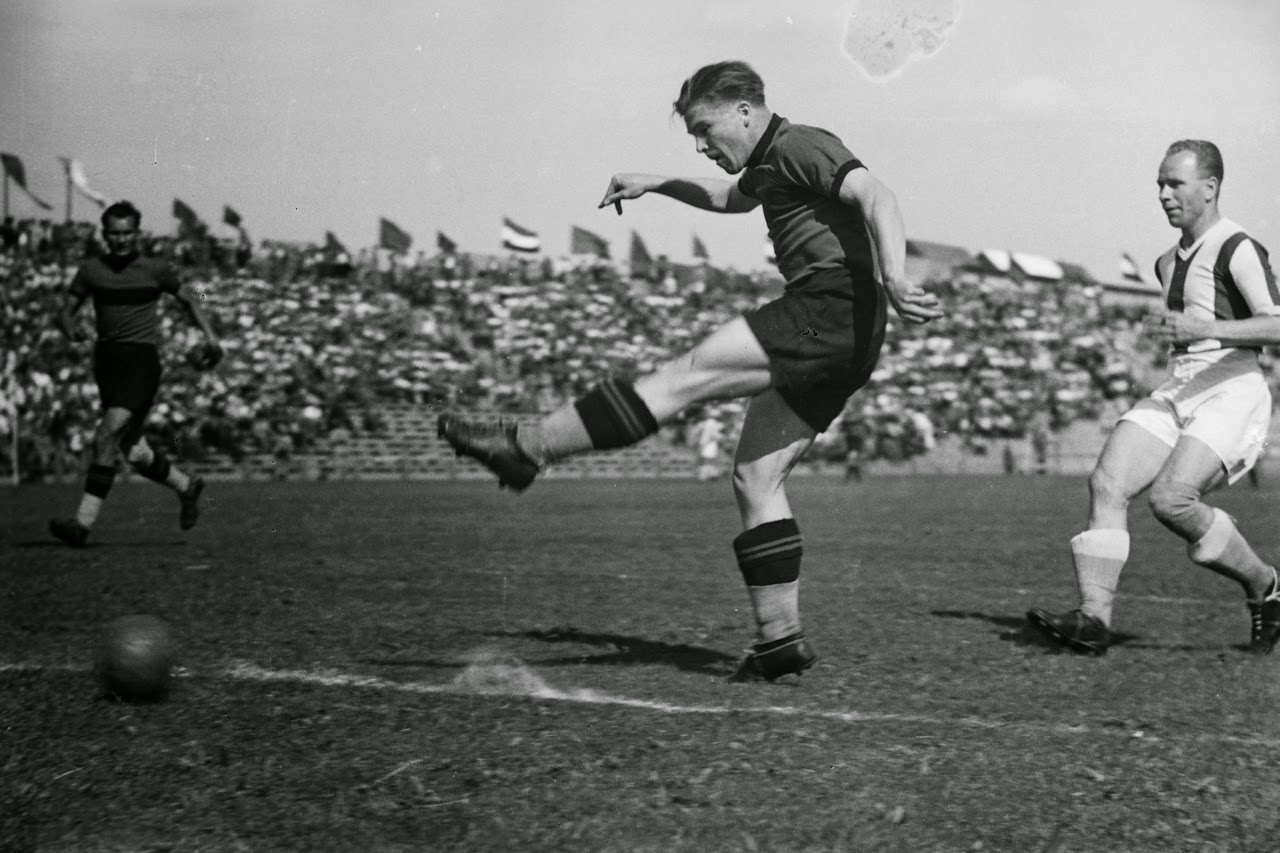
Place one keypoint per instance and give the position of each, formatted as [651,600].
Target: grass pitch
[443,666]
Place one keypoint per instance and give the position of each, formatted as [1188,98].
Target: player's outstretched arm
[879,207]
[717,195]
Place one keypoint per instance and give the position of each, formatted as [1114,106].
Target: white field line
[509,679]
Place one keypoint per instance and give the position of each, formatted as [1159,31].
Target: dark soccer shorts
[823,339]
[128,376]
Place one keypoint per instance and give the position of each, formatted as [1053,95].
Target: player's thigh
[728,363]
[1130,461]
[1194,462]
[773,439]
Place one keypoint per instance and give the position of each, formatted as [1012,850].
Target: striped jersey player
[1206,424]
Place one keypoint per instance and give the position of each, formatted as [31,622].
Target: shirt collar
[757,153]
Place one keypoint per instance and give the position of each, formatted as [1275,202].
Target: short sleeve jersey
[1224,275]
[125,297]
[796,172]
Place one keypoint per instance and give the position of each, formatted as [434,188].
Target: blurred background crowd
[319,342]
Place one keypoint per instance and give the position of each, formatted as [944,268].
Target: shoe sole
[1052,631]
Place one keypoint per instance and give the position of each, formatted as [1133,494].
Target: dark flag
[700,250]
[518,238]
[641,262]
[332,245]
[230,217]
[583,242]
[392,237]
[185,214]
[444,244]
[13,169]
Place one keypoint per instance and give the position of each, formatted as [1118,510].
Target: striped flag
[13,169]
[392,237]
[584,242]
[1129,268]
[76,175]
[700,249]
[518,238]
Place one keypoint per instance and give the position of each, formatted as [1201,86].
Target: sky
[1033,127]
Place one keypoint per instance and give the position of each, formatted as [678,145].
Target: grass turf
[442,666]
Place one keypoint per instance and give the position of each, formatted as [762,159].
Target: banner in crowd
[518,238]
[444,244]
[14,169]
[393,237]
[641,262]
[76,175]
[699,249]
[584,242]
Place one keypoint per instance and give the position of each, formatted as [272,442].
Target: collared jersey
[1224,275]
[125,297]
[796,172]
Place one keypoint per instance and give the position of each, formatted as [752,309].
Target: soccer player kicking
[1204,426]
[126,289]
[838,236]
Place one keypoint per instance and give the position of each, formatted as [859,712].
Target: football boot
[1265,618]
[1076,630]
[70,531]
[776,658]
[492,444]
[190,500]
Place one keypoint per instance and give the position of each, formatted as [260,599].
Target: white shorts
[1226,405]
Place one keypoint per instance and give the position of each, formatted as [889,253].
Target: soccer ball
[136,657]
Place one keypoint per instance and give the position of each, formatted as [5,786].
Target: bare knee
[1177,506]
[1107,490]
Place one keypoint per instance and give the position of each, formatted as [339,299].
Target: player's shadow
[88,546]
[1016,629]
[621,650]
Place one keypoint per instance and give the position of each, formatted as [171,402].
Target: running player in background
[126,290]
[1204,427]
[839,240]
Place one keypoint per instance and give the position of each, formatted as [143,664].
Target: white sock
[1099,557]
[87,514]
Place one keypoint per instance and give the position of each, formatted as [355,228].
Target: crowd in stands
[317,343]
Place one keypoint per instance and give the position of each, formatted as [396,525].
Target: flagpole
[6,193]
[68,193]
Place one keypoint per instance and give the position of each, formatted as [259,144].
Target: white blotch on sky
[882,37]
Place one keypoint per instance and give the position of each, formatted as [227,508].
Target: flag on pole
[75,174]
[393,237]
[230,217]
[699,249]
[1129,268]
[518,238]
[584,242]
[183,213]
[641,262]
[13,169]
[444,244]
[332,245]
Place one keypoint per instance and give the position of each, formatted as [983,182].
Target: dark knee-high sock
[609,416]
[97,485]
[769,558]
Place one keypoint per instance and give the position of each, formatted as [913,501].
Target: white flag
[75,173]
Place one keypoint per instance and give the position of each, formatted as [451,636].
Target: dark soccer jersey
[796,172]
[125,297]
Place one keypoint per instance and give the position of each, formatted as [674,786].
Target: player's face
[719,131]
[1184,192]
[121,236]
